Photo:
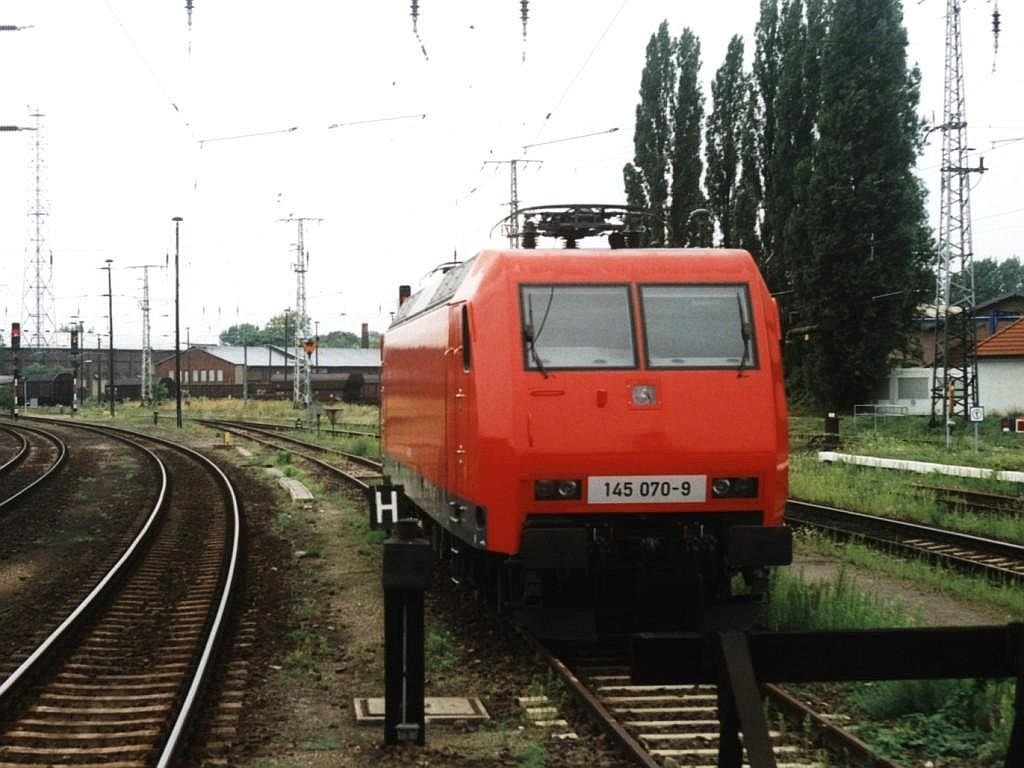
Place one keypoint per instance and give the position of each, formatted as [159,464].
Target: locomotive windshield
[577,326]
[698,326]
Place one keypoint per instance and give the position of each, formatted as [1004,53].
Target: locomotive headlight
[569,489]
[733,487]
[557,490]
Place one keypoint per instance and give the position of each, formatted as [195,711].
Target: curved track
[353,468]
[998,559]
[39,455]
[118,681]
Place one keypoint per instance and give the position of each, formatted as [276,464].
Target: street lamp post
[110,306]
[177,325]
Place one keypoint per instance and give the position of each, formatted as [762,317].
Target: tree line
[280,329]
[806,159]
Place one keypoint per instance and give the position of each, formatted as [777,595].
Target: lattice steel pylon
[37,294]
[512,228]
[955,365]
[301,389]
[147,391]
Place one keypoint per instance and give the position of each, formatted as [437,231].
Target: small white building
[1000,378]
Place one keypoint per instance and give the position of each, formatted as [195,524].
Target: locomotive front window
[577,326]
[698,326]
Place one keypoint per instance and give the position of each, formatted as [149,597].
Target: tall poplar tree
[749,195]
[687,166]
[646,178]
[767,56]
[724,137]
[868,266]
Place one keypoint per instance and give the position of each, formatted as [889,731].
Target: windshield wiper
[745,332]
[529,336]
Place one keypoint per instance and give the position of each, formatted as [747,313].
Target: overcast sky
[145,121]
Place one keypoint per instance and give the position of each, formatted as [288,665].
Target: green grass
[966,719]
[911,437]
[836,604]
[891,493]
[1006,598]
[440,651]
[901,719]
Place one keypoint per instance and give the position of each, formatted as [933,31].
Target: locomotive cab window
[698,326]
[577,327]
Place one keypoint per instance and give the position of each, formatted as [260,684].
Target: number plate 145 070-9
[645,489]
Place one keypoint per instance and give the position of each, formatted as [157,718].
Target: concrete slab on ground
[295,489]
[438,709]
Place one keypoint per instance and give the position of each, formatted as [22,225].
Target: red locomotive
[598,434]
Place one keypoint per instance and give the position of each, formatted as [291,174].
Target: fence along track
[123,690]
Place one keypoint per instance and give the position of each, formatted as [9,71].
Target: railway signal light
[15,336]
[74,341]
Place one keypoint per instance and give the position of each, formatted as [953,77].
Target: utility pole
[110,306]
[147,349]
[301,383]
[512,228]
[955,364]
[177,323]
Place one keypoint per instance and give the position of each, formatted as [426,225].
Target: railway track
[350,467]
[36,455]
[657,723]
[344,430]
[996,559]
[975,501]
[119,681]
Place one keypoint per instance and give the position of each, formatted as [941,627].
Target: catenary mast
[955,365]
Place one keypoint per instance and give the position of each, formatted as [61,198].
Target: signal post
[407,560]
[74,365]
[15,347]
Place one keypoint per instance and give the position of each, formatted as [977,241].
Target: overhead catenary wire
[580,71]
[149,68]
[297,128]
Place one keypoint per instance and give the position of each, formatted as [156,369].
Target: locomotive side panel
[413,408]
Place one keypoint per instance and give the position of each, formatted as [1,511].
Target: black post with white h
[406,567]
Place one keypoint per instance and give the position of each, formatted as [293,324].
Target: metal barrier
[876,410]
[740,662]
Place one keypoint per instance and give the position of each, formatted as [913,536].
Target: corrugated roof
[257,355]
[997,300]
[1009,342]
[328,357]
[234,355]
[348,358]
